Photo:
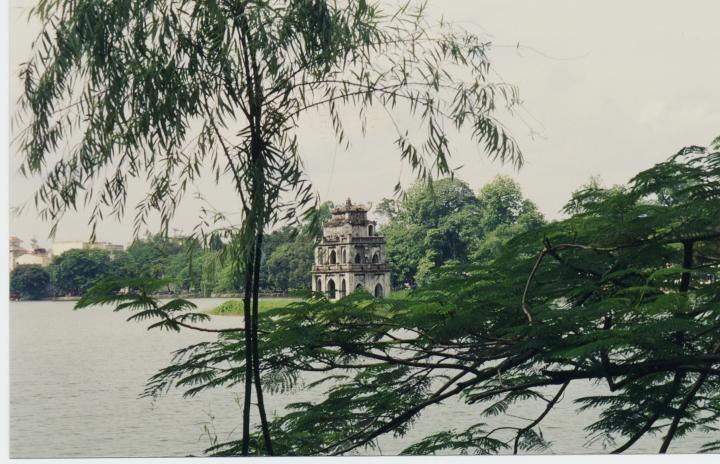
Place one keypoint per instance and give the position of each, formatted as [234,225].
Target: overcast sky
[613,87]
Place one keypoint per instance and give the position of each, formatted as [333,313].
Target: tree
[150,257]
[387,208]
[272,242]
[75,271]
[31,282]
[445,221]
[502,203]
[622,292]
[429,227]
[215,243]
[504,215]
[290,264]
[185,268]
[137,77]
[288,254]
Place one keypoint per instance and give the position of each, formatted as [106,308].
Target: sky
[608,89]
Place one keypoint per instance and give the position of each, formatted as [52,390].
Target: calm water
[75,377]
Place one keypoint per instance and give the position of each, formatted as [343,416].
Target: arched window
[318,287]
[331,289]
[370,230]
[358,259]
[378,291]
[333,257]
[343,288]
[376,258]
[344,256]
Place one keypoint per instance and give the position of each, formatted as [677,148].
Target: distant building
[59,248]
[350,255]
[38,256]
[16,250]
[21,256]
[35,255]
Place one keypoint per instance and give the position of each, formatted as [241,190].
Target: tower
[350,255]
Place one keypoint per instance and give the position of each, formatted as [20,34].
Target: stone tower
[350,255]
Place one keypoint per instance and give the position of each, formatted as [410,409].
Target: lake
[75,377]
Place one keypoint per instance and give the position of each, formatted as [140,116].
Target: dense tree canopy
[623,292]
[505,214]
[188,267]
[75,271]
[151,257]
[290,264]
[444,220]
[288,254]
[30,282]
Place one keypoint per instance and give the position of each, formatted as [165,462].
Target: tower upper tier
[349,220]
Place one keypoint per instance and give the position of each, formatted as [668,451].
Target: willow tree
[150,94]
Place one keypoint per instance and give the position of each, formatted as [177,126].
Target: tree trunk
[248,355]
[255,350]
[680,338]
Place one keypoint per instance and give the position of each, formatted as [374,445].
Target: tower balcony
[350,239]
[351,267]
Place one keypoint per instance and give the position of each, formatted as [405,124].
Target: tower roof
[349,207]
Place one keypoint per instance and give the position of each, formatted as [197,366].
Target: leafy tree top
[29,281]
[502,202]
[443,220]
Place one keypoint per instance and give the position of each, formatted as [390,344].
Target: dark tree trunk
[248,355]
[255,350]
[680,338]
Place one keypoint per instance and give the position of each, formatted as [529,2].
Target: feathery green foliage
[623,292]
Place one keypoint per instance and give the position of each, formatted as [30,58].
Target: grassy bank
[235,307]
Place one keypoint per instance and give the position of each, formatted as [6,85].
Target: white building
[350,255]
[38,257]
[59,248]
[21,256]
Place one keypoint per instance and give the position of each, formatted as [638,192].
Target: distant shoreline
[163,296]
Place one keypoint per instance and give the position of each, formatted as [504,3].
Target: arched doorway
[358,259]
[318,287]
[378,291]
[376,258]
[333,257]
[331,289]
[358,287]
[343,288]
